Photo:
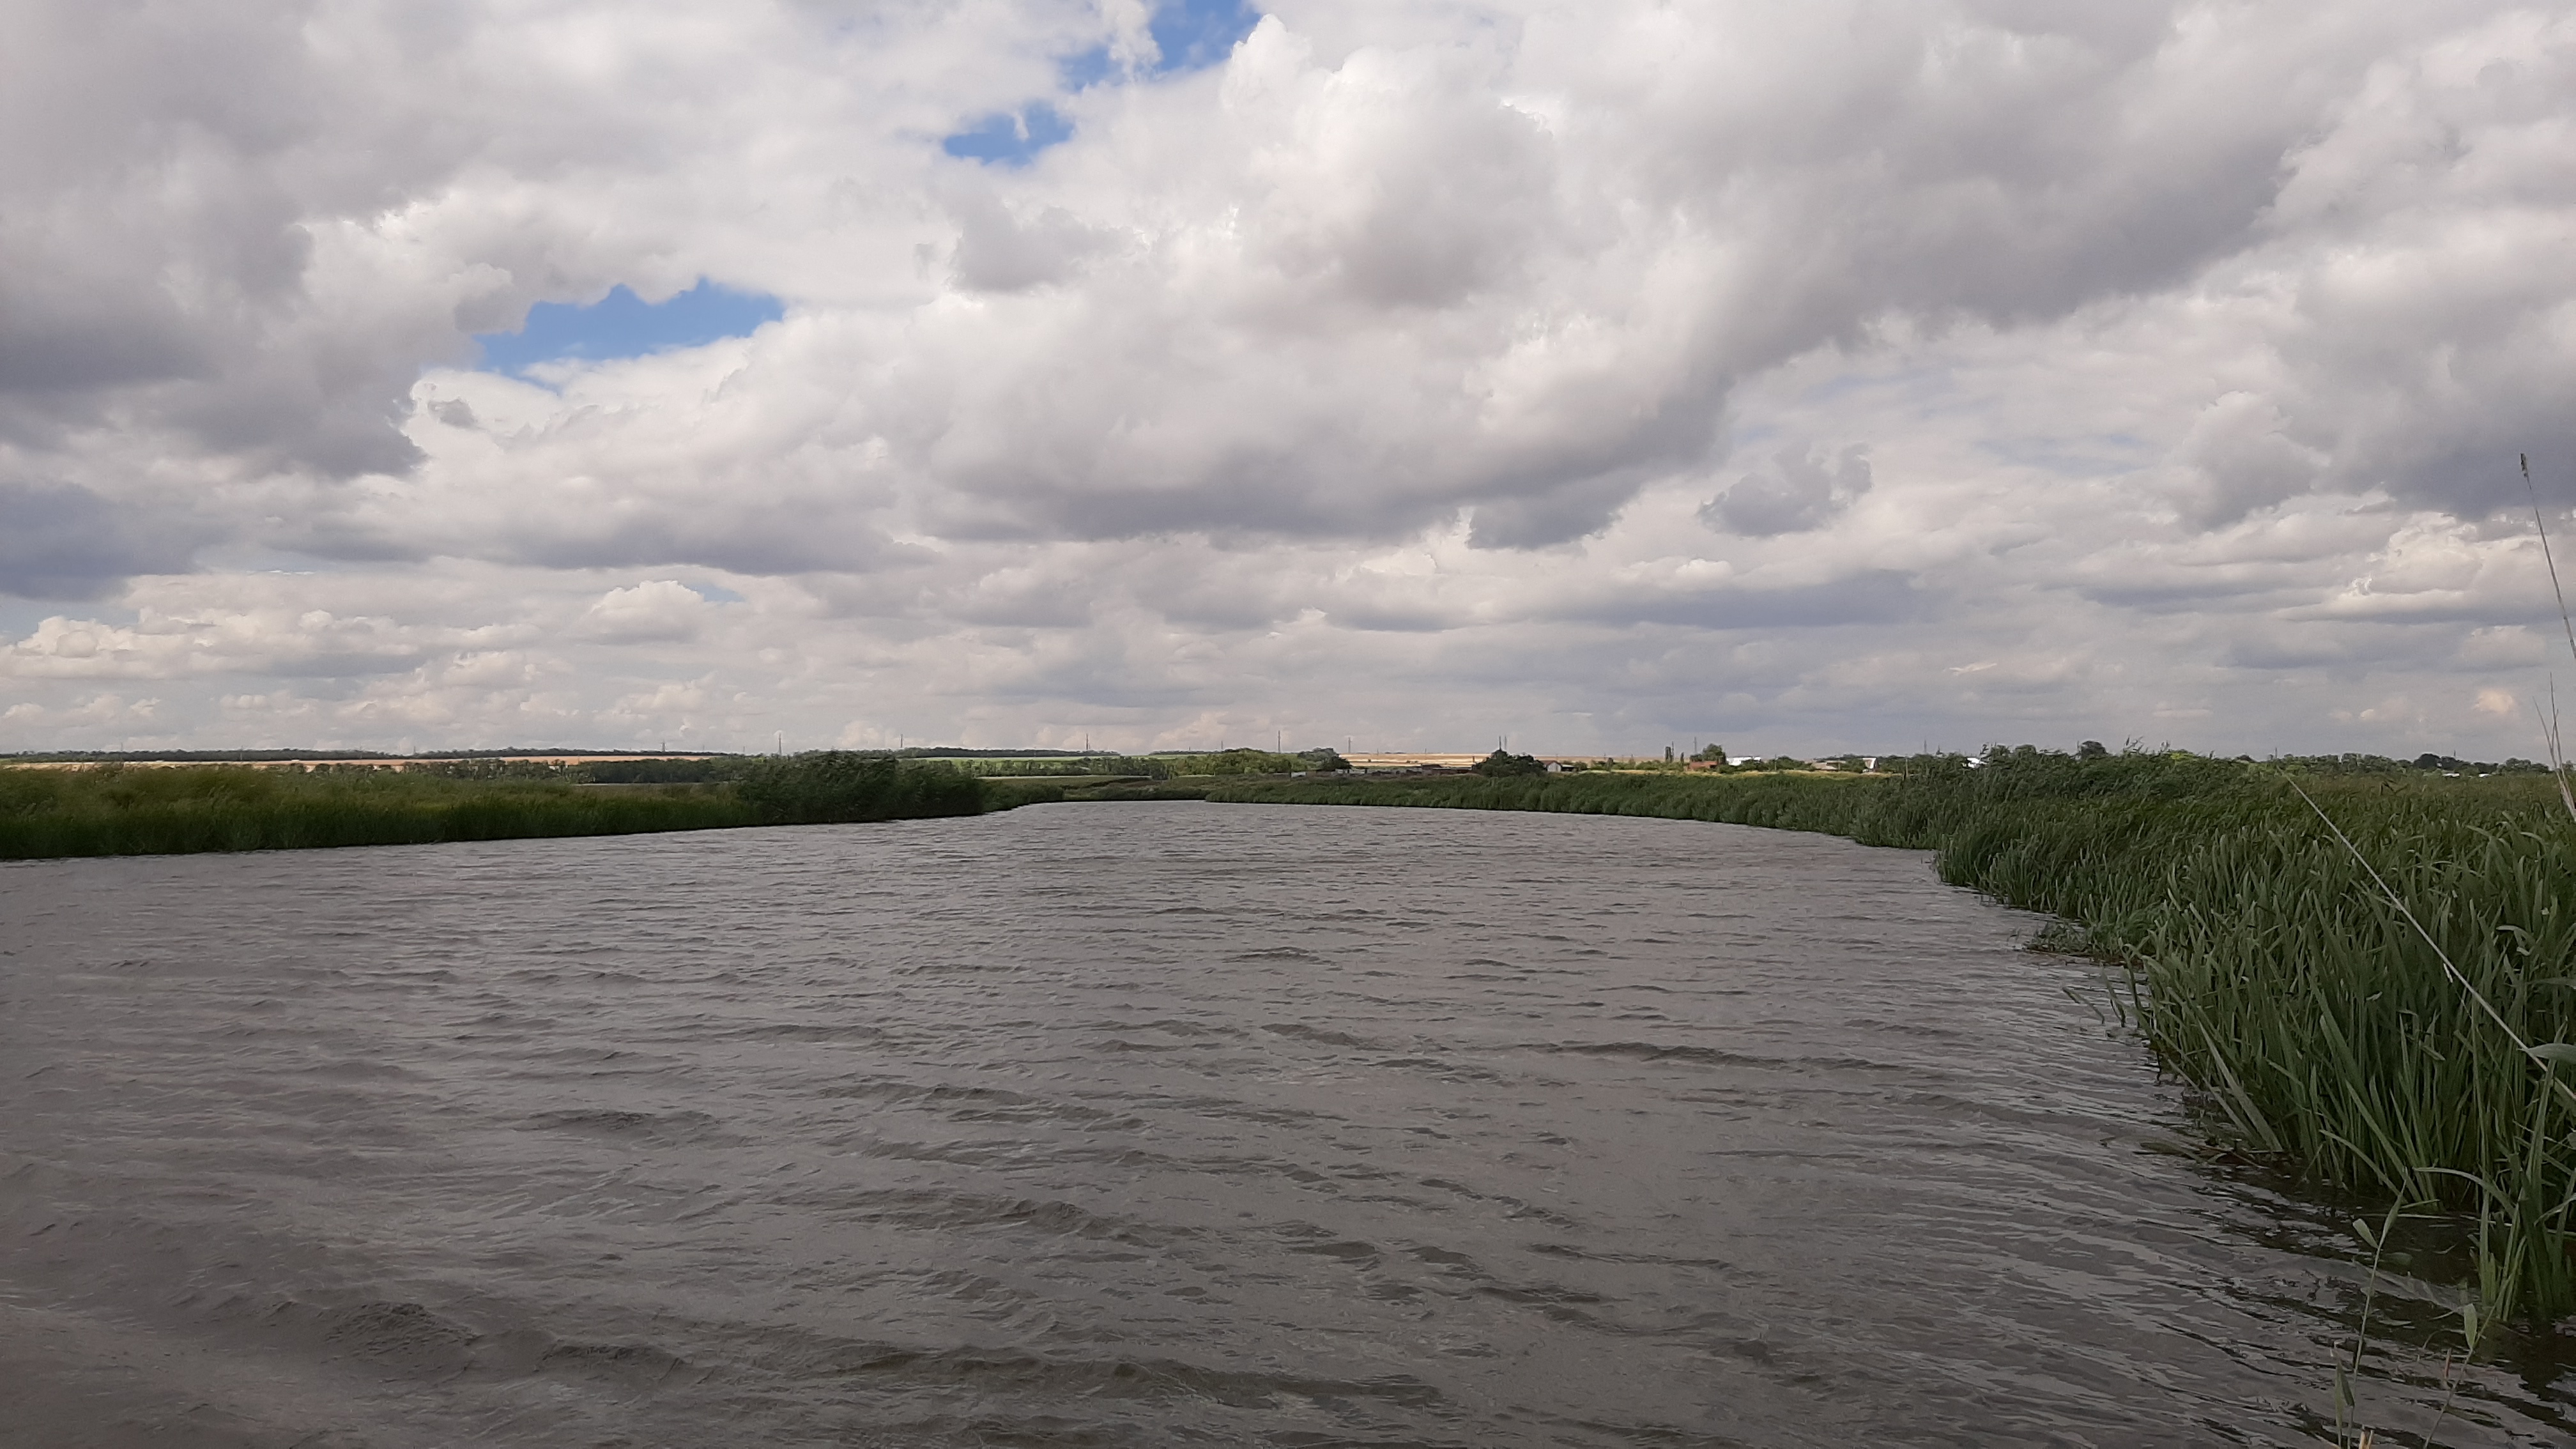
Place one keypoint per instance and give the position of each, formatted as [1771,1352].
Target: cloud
[997,252]
[658,610]
[64,541]
[1802,491]
[1417,366]
[313,643]
[1878,596]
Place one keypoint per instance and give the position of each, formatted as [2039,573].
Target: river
[1138,1124]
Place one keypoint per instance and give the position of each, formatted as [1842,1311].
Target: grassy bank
[116,810]
[2321,1028]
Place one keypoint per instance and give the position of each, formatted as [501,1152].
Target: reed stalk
[2549,732]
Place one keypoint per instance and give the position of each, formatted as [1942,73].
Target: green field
[2322,1029]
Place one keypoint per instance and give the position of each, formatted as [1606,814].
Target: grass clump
[2322,1028]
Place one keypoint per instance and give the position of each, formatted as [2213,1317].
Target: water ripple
[1129,1125]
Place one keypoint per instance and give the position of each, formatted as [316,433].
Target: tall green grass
[2266,968]
[122,810]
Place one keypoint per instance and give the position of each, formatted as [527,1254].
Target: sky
[1849,375]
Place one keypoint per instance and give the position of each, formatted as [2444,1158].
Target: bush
[830,786]
[1236,762]
[657,772]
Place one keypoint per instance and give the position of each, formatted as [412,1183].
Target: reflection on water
[1122,1124]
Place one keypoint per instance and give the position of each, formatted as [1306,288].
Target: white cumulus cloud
[1837,375]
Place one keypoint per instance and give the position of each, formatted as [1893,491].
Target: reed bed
[2265,967]
[117,810]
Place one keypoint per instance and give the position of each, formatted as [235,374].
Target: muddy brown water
[1129,1125]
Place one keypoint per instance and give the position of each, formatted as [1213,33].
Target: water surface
[1123,1125]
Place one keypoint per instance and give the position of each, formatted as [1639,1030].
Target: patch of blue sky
[1196,34]
[622,324]
[1085,69]
[1188,35]
[712,593]
[1010,139]
[19,618]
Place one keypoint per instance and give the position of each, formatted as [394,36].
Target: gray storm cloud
[1404,321]
[1801,490]
[61,541]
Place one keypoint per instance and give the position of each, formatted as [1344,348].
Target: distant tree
[1500,764]
[1715,754]
[1668,754]
[1325,758]
[2430,761]
[1237,761]
[2092,750]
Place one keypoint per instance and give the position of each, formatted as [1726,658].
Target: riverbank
[2264,965]
[123,810]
